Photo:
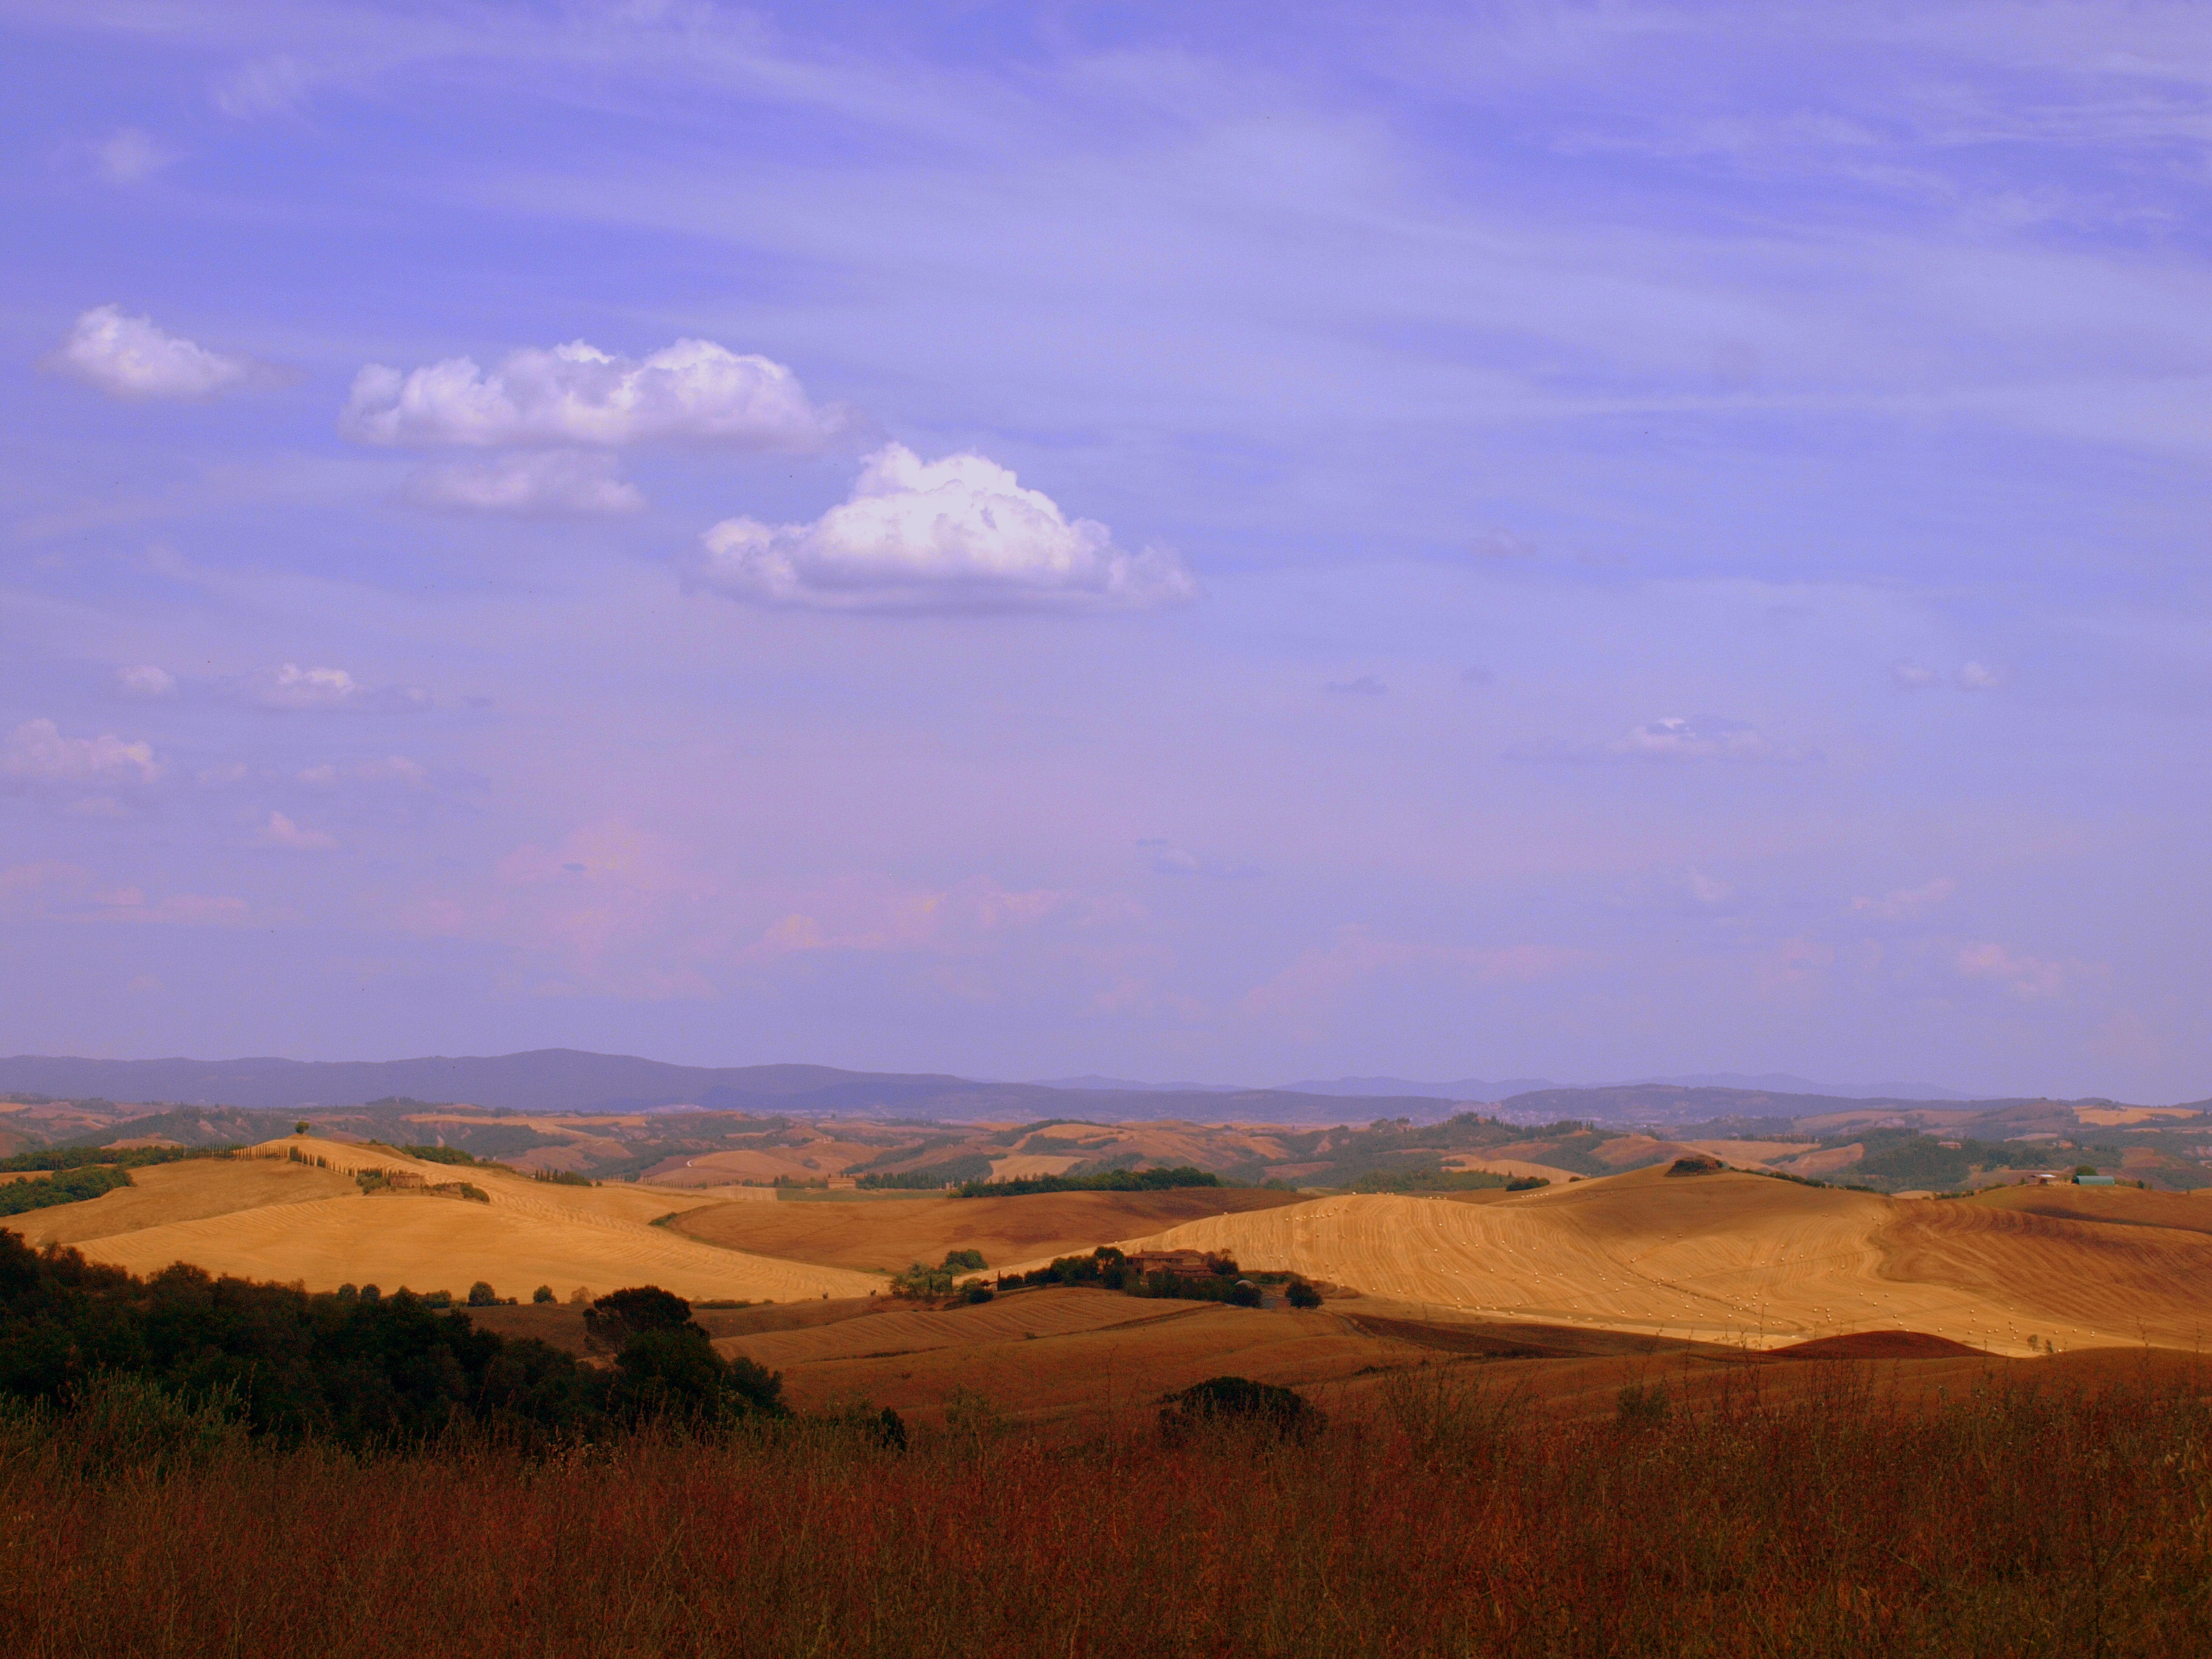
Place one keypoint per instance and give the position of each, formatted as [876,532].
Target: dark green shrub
[67,1186]
[612,1323]
[543,1293]
[1237,1400]
[482,1295]
[1245,1294]
[1302,1295]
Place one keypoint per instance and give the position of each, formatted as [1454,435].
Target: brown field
[1746,1260]
[892,1234]
[268,1218]
[1073,1357]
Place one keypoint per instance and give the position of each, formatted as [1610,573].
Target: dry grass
[2033,1524]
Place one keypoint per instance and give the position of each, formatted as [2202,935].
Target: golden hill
[890,1233]
[1747,1259]
[267,1217]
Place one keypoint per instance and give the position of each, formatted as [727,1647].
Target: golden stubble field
[268,1218]
[1746,1260]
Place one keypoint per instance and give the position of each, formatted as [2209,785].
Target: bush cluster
[1105,1180]
[358,1369]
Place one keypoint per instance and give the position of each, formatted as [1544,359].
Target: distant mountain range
[571,1080]
[548,1080]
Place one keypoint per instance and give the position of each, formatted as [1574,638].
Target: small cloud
[1495,544]
[1909,676]
[1702,739]
[1708,889]
[955,534]
[1477,675]
[2030,978]
[1907,902]
[547,485]
[393,769]
[266,86]
[281,831]
[132,357]
[1367,685]
[693,391]
[145,680]
[288,686]
[1169,859]
[1980,677]
[179,909]
[36,753]
[130,157]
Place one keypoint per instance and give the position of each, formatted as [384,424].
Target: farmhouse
[404,1178]
[1190,1264]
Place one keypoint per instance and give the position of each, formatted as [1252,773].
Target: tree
[1302,1295]
[542,1294]
[482,1295]
[617,1317]
[301,1128]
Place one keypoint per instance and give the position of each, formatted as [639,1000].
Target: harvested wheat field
[266,1217]
[892,1234]
[1748,1259]
[1070,1355]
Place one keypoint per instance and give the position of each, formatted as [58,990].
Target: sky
[1229,543]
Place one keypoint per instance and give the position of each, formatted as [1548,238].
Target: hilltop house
[1189,1264]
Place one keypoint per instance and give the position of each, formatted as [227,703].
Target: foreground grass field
[1445,1519]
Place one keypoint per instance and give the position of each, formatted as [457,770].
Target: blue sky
[1579,540]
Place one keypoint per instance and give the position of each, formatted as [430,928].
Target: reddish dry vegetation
[2014,1521]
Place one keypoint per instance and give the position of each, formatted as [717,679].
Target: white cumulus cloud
[540,483]
[1980,677]
[1910,676]
[145,680]
[694,392]
[132,357]
[37,752]
[959,533]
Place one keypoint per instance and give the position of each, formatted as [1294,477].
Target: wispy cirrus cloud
[530,483]
[1906,903]
[322,689]
[1676,739]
